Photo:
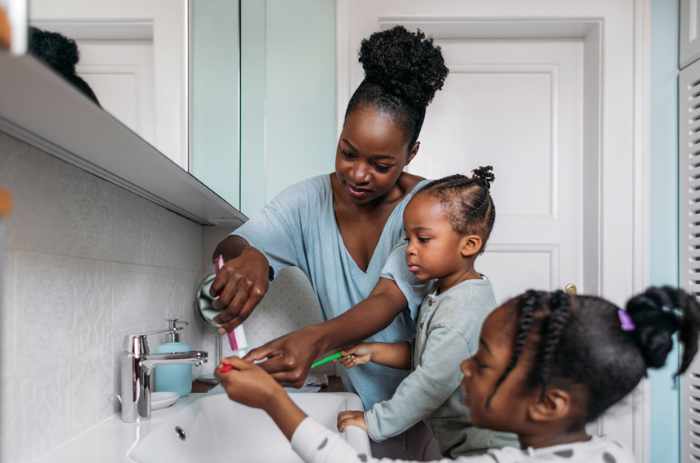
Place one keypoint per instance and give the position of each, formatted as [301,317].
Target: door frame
[614,122]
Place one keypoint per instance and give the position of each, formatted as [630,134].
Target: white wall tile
[47,290]
[88,262]
[289,304]
[58,209]
[127,244]
[9,418]
[8,316]
[44,413]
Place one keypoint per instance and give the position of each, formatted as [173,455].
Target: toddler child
[447,225]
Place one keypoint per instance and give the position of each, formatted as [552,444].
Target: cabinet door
[689,240]
[214,117]
[690,32]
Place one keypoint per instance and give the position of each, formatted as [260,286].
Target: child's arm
[425,389]
[395,355]
[250,385]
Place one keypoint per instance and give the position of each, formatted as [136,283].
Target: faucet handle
[137,344]
[174,330]
[173,323]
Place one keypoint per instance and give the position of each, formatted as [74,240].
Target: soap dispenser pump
[177,377]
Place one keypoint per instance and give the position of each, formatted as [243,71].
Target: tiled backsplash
[88,262]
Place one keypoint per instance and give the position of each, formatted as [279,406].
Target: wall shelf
[42,109]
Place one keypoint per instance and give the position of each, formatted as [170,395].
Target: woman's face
[372,152]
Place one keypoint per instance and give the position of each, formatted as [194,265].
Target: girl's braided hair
[588,341]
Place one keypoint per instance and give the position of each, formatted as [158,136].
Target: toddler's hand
[351,418]
[247,383]
[356,355]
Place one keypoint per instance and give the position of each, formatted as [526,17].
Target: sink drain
[180,433]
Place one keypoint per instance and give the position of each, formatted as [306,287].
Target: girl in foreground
[548,363]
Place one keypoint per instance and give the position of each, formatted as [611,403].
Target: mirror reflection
[134,59]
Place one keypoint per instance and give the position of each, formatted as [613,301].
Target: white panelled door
[689,240]
[552,94]
[515,105]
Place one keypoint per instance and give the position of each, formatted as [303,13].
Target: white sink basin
[215,430]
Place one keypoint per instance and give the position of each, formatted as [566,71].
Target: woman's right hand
[289,357]
[239,285]
[356,355]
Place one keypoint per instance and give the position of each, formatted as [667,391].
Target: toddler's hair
[467,201]
[587,340]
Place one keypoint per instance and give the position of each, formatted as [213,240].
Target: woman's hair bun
[484,176]
[406,64]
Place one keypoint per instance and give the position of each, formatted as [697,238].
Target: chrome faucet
[136,367]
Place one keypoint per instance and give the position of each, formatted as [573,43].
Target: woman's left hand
[351,418]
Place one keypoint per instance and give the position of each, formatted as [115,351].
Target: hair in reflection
[61,54]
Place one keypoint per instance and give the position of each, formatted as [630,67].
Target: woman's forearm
[395,355]
[364,319]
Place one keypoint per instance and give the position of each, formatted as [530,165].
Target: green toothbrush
[327,359]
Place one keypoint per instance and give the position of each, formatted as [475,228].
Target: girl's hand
[357,355]
[248,384]
[351,418]
[239,285]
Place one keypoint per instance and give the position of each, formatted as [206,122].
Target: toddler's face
[434,248]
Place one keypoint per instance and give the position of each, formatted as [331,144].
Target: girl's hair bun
[405,64]
[657,314]
[484,176]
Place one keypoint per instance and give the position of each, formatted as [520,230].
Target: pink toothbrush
[231,334]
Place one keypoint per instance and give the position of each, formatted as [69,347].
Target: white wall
[87,263]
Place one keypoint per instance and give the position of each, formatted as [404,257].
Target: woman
[341,228]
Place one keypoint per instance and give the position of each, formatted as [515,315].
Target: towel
[235,343]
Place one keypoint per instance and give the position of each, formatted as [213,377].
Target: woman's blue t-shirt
[298,228]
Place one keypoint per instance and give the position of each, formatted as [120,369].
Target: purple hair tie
[626,322]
